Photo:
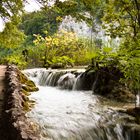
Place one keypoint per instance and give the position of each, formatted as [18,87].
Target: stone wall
[16,125]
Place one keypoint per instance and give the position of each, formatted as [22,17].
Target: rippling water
[72,115]
[61,114]
[77,115]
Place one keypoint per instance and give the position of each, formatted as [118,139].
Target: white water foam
[62,113]
[73,115]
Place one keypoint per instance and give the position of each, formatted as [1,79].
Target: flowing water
[64,113]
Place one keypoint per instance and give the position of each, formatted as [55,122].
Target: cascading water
[64,114]
[67,81]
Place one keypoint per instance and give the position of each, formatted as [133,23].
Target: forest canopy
[35,39]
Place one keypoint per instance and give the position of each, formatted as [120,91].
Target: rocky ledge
[16,125]
[105,81]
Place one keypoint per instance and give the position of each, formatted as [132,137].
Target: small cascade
[49,79]
[66,81]
[77,85]
[84,81]
[55,78]
[138,99]
[37,75]
[43,77]
[77,114]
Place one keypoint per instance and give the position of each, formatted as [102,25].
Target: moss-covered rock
[29,88]
[27,84]
[25,92]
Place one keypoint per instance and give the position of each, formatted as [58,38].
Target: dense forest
[36,40]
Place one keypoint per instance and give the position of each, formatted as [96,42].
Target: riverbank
[63,110]
[15,124]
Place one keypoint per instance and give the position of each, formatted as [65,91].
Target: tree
[39,22]
[11,9]
[11,37]
[122,17]
[63,47]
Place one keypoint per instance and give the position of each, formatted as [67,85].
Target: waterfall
[77,114]
[138,99]
[65,79]
[77,83]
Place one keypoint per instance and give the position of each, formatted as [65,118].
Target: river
[64,113]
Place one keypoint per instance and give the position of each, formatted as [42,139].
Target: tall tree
[122,17]
[11,8]
[39,22]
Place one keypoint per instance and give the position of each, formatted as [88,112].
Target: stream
[64,113]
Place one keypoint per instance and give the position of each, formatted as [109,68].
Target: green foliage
[16,59]
[105,57]
[126,58]
[85,56]
[35,56]
[63,60]
[40,21]
[122,17]
[12,56]
[11,37]
[130,63]
[89,10]
[63,47]
[4,52]
[11,8]
[119,18]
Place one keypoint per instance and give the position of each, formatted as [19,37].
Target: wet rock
[27,85]
[86,80]
[57,66]
[132,131]
[134,112]
[106,82]
[29,88]
[66,81]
